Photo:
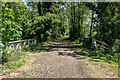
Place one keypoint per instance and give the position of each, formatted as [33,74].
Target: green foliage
[105,29]
[6,72]
[11,22]
[15,56]
[11,31]
[20,22]
[50,21]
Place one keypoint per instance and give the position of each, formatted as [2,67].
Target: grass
[13,61]
[15,64]
[16,59]
[9,66]
[6,72]
[14,56]
[97,55]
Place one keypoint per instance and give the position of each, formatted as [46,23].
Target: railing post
[20,47]
[32,41]
[13,47]
[9,48]
[35,41]
[24,43]
[17,46]
[28,42]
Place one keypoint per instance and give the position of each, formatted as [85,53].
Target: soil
[59,60]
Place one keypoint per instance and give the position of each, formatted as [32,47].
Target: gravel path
[50,64]
[57,61]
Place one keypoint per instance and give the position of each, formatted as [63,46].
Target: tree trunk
[39,6]
[74,30]
[79,26]
[90,38]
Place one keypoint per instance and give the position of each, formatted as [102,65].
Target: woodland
[83,22]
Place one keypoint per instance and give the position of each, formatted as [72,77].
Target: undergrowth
[92,52]
[16,59]
[97,55]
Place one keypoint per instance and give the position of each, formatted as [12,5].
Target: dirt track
[52,64]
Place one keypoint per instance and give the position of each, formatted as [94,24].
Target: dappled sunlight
[60,39]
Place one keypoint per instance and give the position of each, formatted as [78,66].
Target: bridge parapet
[15,45]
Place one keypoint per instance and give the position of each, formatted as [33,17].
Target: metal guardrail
[18,44]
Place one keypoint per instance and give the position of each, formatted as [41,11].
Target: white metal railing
[20,43]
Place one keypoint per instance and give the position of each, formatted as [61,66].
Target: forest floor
[58,60]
